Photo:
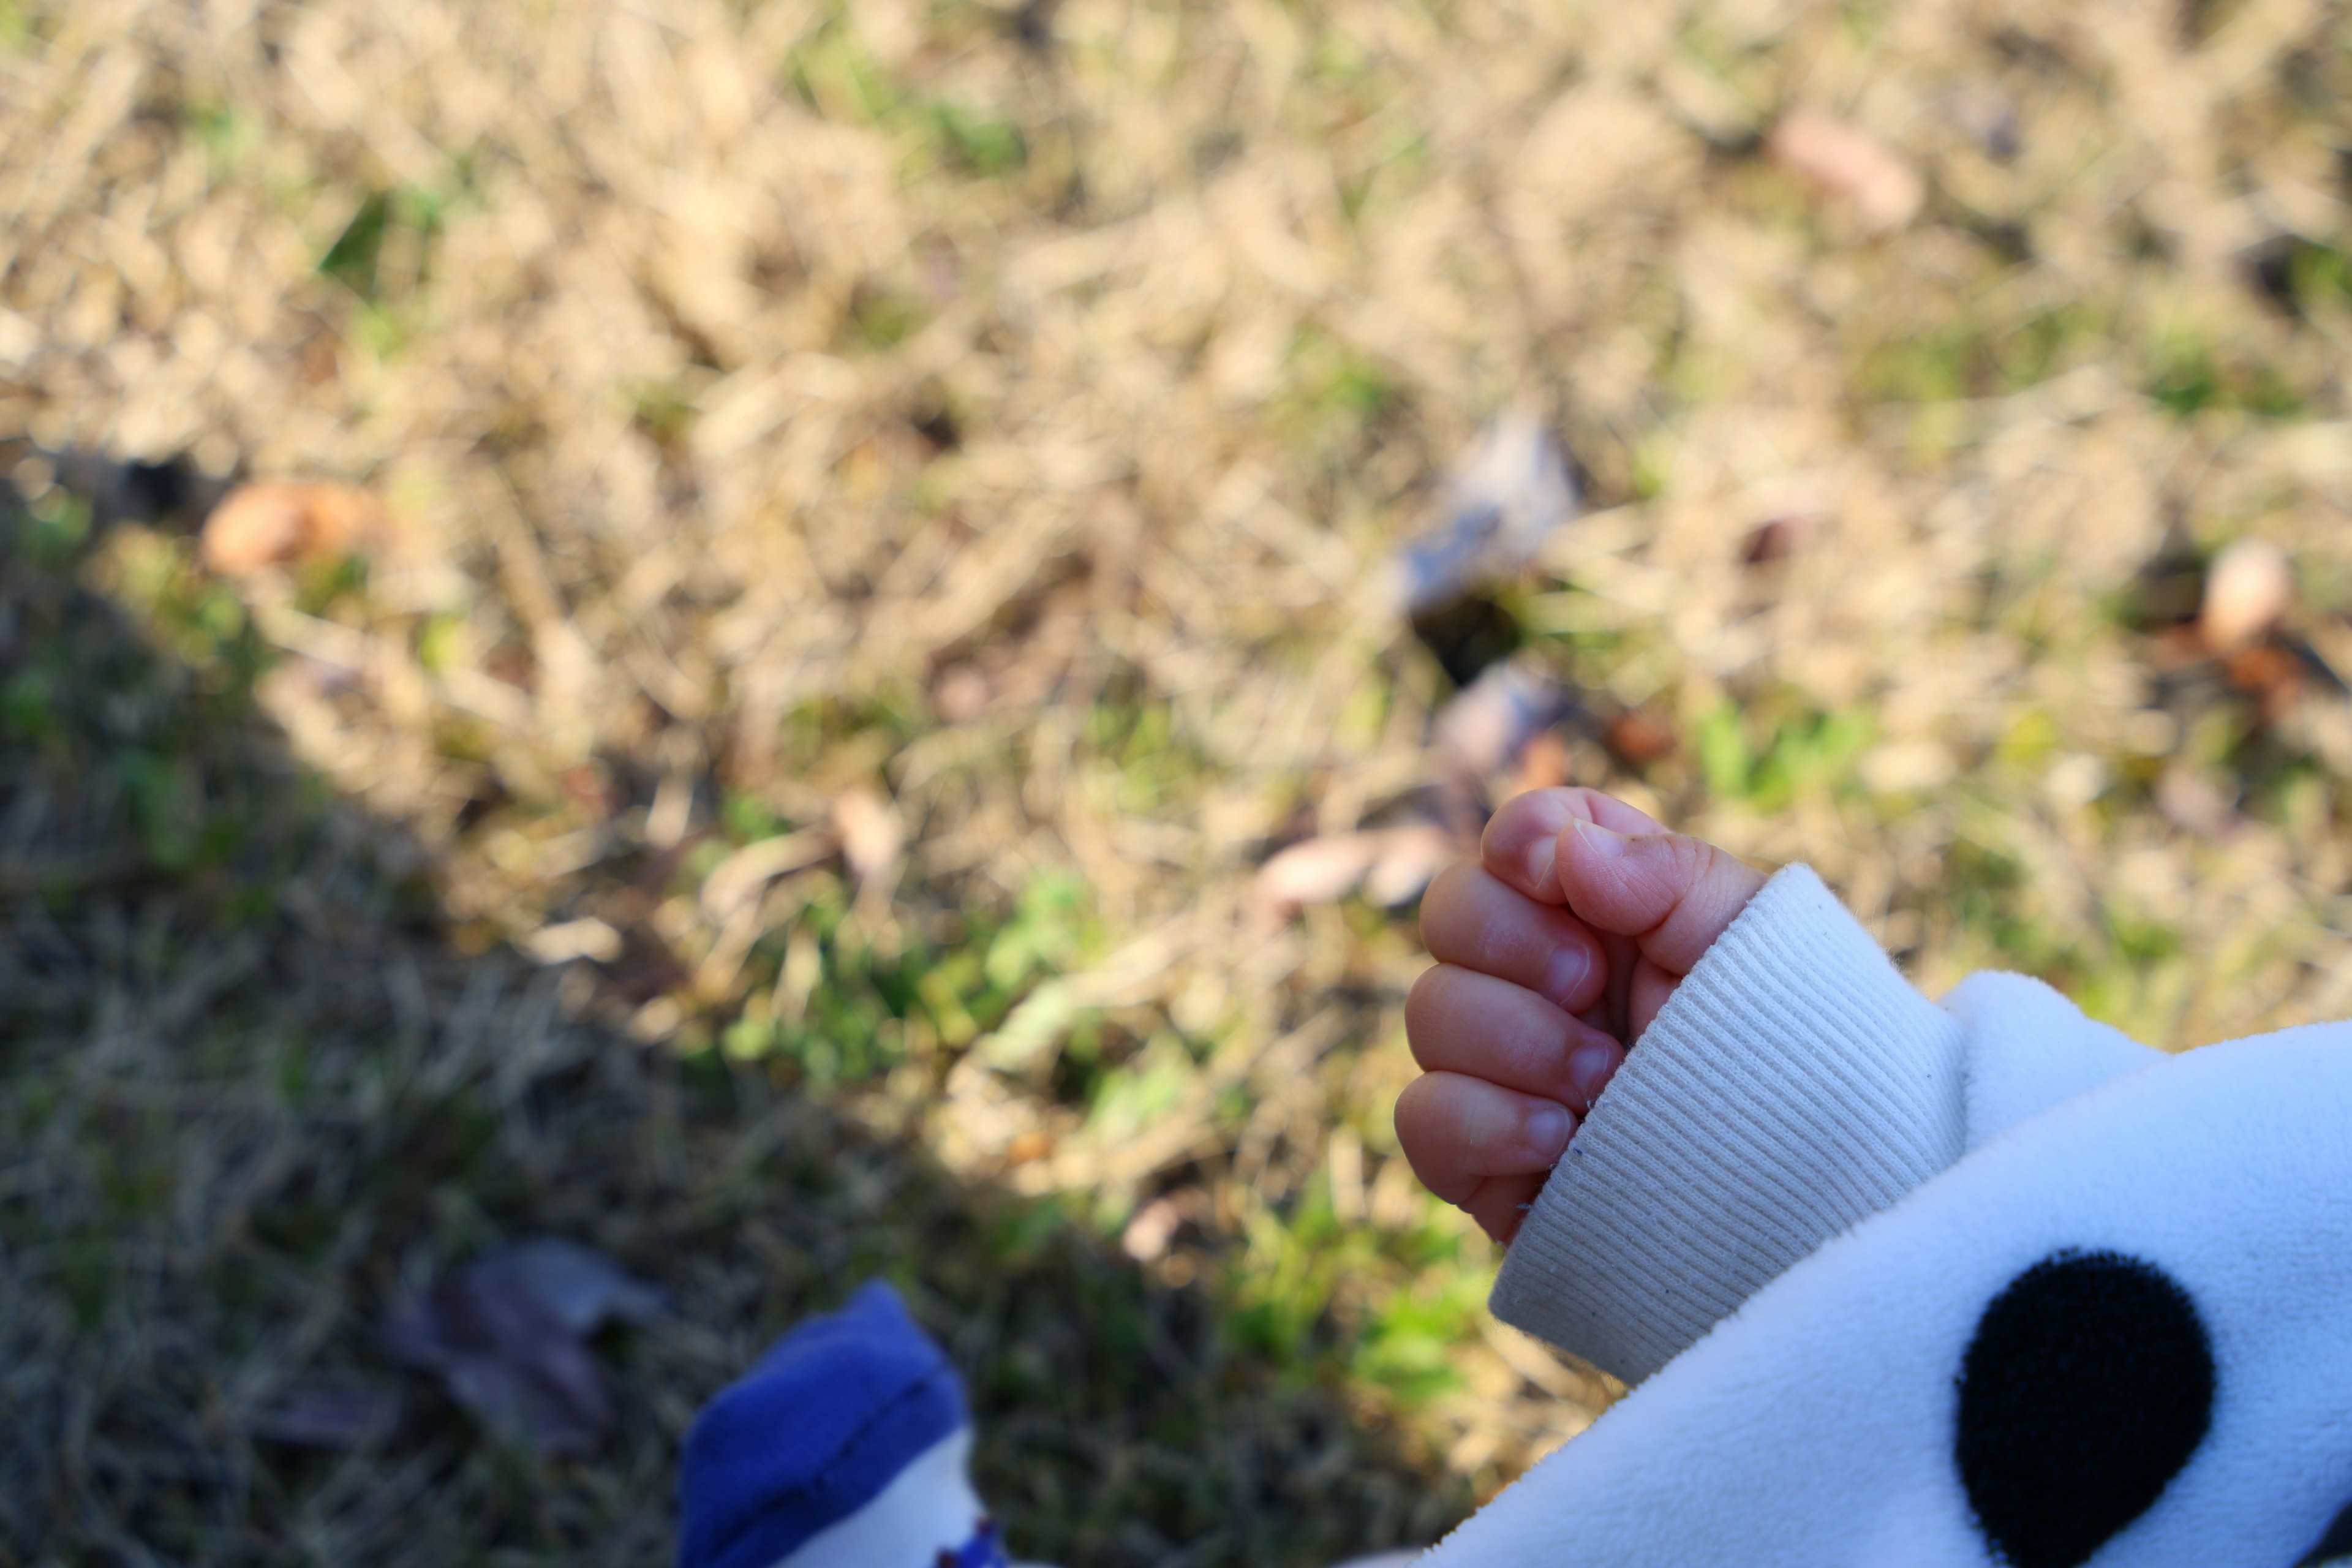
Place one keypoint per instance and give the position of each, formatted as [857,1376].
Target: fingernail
[1589,1068]
[1604,843]
[1548,1129]
[1543,857]
[1566,974]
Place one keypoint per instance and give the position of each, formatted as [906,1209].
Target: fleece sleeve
[2029,1048]
[1793,1085]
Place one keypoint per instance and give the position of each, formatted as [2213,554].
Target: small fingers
[1502,1202]
[1460,1021]
[1517,845]
[1458,1131]
[1651,986]
[1674,894]
[1472,918]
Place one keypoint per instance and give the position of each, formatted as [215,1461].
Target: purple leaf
[1510,492]
[578,1283]
[1486,726]
[327,1417]
[507,1335]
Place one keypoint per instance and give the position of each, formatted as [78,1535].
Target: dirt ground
[851,712]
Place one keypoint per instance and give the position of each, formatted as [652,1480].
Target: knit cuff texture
[1793,1085]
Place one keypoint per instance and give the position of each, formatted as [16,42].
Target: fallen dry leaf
[1637,738]
[1484,727]
[2190,801]
[961,693]
[1850,165]
[1511,490]
[327,1417]
[587,938]
[1545,762]
[1410,858]
[1155,1224]
[507,1336]
[735,882]
[871,836]
[1393,865]
[1776,539]
[2246,593]
[1315,870]
[2271,673]
[278,522]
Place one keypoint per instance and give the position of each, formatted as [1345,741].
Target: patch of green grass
[1132,1100]
[1280,1285]
[58,525]
[831,72]
[384,255]
[1402,154]
[441,642]
[1332,395]
[865,1009]
[748,819]
[26,700]
[882,319]
[663,411]
[167,808]
[229,137]
[2319,277]
[1410,1344]
[350,261]
[1974,358]
[2189,376]
[973,141]
[1768,756]
[1049,928]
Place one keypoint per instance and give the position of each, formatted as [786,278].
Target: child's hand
[1555,949]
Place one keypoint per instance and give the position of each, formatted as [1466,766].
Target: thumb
[1671,893]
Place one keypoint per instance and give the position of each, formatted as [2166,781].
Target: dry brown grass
[889,515]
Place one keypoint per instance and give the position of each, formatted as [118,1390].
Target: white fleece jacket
[1982,1283]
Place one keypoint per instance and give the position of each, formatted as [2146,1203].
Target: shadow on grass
[247,1089]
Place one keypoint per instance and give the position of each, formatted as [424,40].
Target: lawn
[859,718]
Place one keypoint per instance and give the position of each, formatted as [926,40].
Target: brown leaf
[1410,857]
[1545,762]
[1155,1224]
[1775,539]
[2246,593]
[1850,165]
[961,693]
[275,522]
[2270,673]
[1316,870]
[590,789]
[871,836]
[1638,738]
[1393,865]
[1483,729]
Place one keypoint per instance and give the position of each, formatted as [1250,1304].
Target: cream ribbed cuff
[1793,1085]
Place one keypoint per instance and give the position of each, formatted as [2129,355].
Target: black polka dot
[2088,1386]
